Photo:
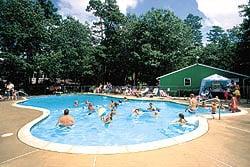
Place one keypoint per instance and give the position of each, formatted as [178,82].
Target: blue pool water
[125,128]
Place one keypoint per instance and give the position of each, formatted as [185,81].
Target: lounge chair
[155,92]
[143,93]
[21,93]
[163,93]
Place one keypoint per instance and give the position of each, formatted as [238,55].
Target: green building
[189,78]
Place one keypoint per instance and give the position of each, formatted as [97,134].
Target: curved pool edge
[26,137]
[223,115]
[24,134]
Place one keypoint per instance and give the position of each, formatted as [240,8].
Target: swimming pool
[124,130]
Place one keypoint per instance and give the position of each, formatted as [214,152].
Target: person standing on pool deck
[66,119]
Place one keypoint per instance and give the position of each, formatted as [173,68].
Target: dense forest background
[122,49]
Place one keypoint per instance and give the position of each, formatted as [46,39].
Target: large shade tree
[221,48]
[70,53]
[243,61]
[23,34]
[161,40]
[195,23]
[105,30]
[117,48]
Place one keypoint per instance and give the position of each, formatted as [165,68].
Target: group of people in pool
[151,108]
[215,104]
[105,115]
[68,120]
[193,104]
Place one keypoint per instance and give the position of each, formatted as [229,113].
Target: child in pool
[182,119]
[203,104]
[136,112]
[154,109]
[76,103]
[213,108]
[107,119]
[91,108]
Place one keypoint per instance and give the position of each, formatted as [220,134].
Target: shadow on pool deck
[225,144]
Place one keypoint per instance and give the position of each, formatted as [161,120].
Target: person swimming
[182,119]
[136,112]
[107,119]
[76,103]
[66,119]
[113,105]
[125,99]
[90,108]
[153,109]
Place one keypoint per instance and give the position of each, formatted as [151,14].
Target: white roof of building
[215,77]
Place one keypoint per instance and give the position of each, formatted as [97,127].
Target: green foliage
[13,67]
[23,32]
[195,23]
[221,48]
[106,32]
[117,48]
[109,18]
[216,34]
[243,61]
[160,40]
[71,51]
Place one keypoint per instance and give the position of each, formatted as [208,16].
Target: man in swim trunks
[192,104]
[66,119]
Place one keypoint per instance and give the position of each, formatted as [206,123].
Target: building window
[187,81]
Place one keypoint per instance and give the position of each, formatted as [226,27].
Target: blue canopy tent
[215,83]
